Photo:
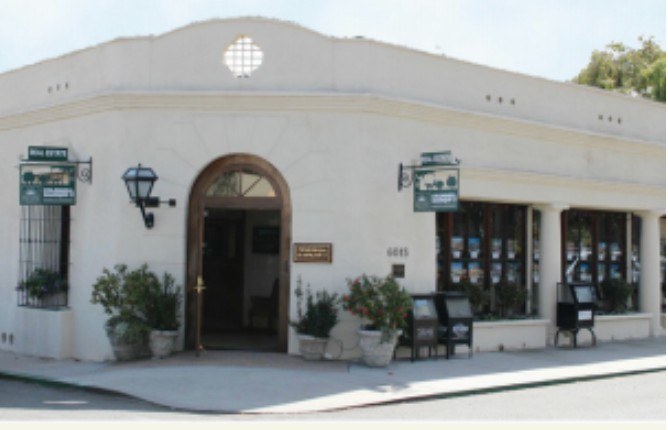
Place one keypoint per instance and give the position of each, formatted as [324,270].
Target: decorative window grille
[243,57]
[44,254]
[241,184]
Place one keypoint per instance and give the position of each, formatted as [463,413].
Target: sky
[552,39]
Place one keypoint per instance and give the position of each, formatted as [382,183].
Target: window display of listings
[485,245]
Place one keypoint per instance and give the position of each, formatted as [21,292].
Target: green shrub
[162,305]
[616,293]
[43,282]
[123,293]
[509,297]
[477,295]
[321,313]
[137,300]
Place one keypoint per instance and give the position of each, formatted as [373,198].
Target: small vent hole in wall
[500,99]
[610,118]
[56,88]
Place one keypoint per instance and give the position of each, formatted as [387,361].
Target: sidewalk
[242,382]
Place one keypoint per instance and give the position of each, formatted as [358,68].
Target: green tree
[621,68]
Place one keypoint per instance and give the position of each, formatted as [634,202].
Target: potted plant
[314,324]
[121,295]
[383,306]
[42,283]
[161,310]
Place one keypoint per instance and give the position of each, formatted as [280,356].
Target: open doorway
[240,268]
[239,235]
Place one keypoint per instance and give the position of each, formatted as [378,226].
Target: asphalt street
[638,398]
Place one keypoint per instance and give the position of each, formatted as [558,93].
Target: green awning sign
[44,184]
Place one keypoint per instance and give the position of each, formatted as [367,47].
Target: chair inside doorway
[265,310]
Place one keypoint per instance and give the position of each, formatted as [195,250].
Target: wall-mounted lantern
[139,182]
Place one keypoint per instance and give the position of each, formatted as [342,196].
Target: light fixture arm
[147,216]
[139,182]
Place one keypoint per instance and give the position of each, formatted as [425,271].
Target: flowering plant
[42,282]
[380,301]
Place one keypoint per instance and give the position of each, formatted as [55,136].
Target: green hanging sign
[46,185]
[436,183]
[436,190]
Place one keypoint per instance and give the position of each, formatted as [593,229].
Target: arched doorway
[239,227]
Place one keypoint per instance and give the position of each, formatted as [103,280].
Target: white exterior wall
[335,117]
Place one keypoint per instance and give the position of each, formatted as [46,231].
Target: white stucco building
[312,130]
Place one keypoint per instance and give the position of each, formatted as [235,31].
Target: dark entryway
[240,268]
[239,224]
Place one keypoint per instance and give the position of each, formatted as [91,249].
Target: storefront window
[507,243]
[483,244]
[595,247]
[578,249]
[466,244]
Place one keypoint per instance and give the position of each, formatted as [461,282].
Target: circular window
[243,57]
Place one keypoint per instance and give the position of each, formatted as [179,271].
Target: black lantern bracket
[139,182]
[406,176]
[151,202]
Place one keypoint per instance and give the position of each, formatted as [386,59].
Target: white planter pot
[162,342]
[312,348]
[374,352]
[124,351]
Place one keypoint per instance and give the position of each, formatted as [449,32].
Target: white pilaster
[550,263]
[650,269]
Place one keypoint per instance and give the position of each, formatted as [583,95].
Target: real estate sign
[436,184]
[47,153]
[47,184]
